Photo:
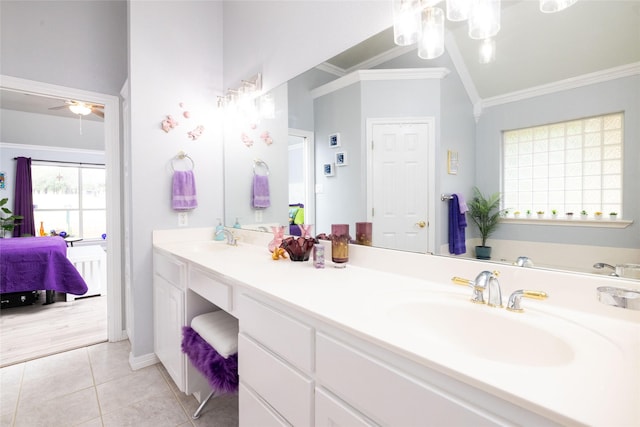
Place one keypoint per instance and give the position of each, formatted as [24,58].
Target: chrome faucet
[524,261]
[514,300]
[486,280]
[600,265]
[231,239]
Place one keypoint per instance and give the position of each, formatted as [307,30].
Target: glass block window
[70,198]
[570,167]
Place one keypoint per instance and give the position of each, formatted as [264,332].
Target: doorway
[400,171]
[301,172]
[111,104]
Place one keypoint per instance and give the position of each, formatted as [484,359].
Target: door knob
[421,224]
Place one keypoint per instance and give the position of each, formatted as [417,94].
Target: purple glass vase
[363,233]
[340,244]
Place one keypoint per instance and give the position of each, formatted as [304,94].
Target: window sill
[601,223]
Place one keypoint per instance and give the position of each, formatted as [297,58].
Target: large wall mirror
[315,142]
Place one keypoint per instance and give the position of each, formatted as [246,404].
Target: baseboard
[142,361]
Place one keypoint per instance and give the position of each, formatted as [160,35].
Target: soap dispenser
[219,235]
[237,224]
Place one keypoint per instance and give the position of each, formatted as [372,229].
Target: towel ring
[257,163]
[181,156]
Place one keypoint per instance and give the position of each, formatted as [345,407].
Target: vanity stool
[211,343]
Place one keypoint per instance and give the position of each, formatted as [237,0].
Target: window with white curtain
[69,197]
[570,166]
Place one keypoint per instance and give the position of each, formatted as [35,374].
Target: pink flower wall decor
[246,139]
[168,124]
[196,133]
[266,137]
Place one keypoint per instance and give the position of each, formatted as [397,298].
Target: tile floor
[94,386]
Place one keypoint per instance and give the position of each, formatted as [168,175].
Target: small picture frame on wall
[328,169]
[341,158]
[334,140]
[452,162]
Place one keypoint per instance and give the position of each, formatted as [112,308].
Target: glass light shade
[487,51]
[431,43]
[458,10]
[406,21]
[551,6]
[80,109]
[484,19]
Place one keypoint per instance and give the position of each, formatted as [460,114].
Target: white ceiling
[533,48]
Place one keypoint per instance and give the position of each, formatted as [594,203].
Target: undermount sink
[484,332]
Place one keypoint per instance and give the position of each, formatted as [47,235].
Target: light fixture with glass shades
[458,10]
[406,21]
[431,44]
[487,51]
[420,21]
[551,6]
[484,19]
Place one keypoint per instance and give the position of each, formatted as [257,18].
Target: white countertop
[596,381]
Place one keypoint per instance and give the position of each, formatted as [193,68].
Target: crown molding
[331,69]
[566,84]
[387,74]
[11,145]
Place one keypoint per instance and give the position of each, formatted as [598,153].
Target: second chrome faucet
[485,281]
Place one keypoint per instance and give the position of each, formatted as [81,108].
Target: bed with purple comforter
[38,263]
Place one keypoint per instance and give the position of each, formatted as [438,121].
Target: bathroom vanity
[389,340]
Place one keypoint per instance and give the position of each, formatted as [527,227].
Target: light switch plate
[183,220]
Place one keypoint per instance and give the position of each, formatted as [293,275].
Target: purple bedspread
[38,263]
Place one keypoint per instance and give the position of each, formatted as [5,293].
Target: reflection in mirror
[541,75]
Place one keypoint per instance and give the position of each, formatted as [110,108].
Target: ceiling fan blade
[97,112]
[59,107]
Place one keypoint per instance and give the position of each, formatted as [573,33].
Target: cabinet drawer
[211,288]
[282,334]
[289,392]
[255,412]
[331,412]
[169,269]
[389,396]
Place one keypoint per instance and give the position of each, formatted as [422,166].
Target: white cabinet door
[168,319]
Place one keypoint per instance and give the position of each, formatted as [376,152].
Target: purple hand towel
[260,192]
[457,224]
[184,191]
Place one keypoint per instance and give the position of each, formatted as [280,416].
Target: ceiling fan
[81,108]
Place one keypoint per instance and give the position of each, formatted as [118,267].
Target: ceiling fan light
[458,10]
[551,6]
[80,109]
[406,21]
[431,44]
[484,19]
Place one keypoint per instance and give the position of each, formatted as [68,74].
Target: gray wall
[175,51]
[617,95]
[78,44]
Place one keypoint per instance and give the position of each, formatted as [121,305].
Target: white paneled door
[400,185]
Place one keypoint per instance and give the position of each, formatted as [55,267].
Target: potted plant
[583,214]
[7,223]
[613,216]
[540,214]
[569,215]
[597,215]
[554,213]
[528,213]
[485,212]
[516,214]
